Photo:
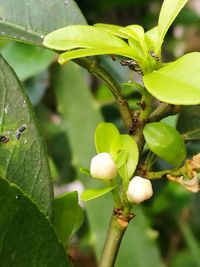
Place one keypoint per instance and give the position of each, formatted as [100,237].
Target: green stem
[116,198]
[97,70]
[112,244]
[164,110]
[146,105]
[161,174]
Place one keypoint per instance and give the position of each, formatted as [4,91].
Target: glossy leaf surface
[178,82]
[23,158]
[165,142]
[26,236]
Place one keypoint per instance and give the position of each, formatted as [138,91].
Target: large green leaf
[165,142]
[23,159]
[27,60]
[26,237]
[68,216]
[169,11]
[30,20]
[105,133]
[178,82]
[82,36]
[189,122]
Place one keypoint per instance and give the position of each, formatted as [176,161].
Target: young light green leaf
[178,82]
[136,46]
[121,159]
[188,123]
[127,144]
[105,133]
[82,36]
[26,236]
[68,216]
[152,38]
[165,142]
[94,193]
[114,29]
[124,51]
[136,32]
[169,11]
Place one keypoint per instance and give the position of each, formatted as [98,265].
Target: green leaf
[169,11]
[127,144]
[137,33]
[178,82]
[121,159]
[27,60]
[105,133]
[85,171]
[188,123]
[68,216]
[79,53]
[26,236]
[94,193]
[165,142]
[23,158]
[82,36]
[36,87]
[152,39]
[114,29]
[31,20]
[134,34]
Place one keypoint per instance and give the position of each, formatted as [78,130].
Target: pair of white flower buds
[103,167]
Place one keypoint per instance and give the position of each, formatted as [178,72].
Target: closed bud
[103,167]
[139,189]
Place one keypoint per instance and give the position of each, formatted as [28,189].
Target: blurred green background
[69,104]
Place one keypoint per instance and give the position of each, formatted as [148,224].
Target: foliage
[73,109]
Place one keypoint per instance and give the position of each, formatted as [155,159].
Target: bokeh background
[69,104]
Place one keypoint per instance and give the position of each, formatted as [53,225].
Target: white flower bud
[139,189]
[103,167]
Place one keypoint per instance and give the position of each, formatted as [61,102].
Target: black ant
[132,64]
[153,54]
[4,139]
[20,131]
